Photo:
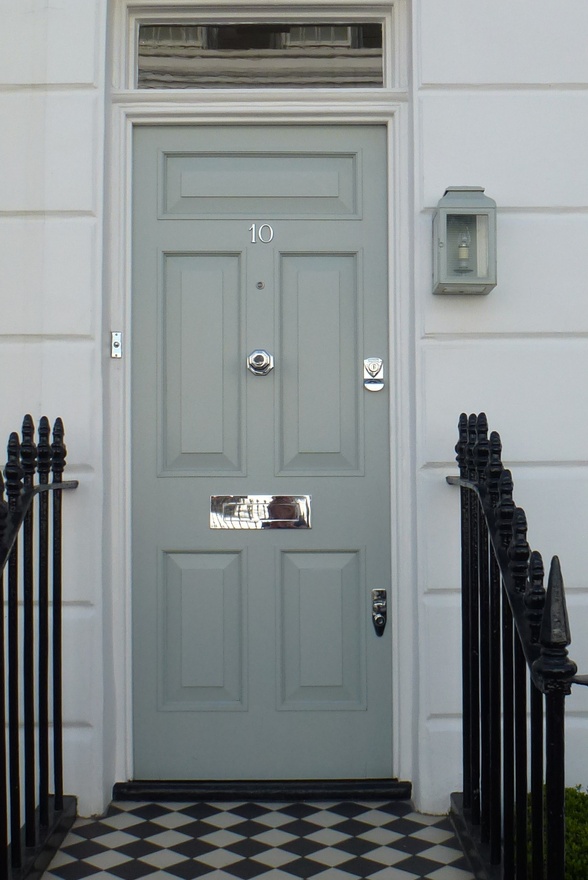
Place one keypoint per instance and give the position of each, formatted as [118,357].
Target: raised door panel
[320,416]
[199,185]
[201,415]
[321,631]
[202,622]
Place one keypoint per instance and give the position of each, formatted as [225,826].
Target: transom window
[314,55]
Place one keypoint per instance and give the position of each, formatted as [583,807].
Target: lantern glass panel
[467,246]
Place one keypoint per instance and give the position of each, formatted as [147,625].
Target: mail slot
[260,511]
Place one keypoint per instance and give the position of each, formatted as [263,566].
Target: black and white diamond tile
[237,841]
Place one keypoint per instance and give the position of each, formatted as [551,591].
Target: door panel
[201,326]
[319,347]
[202,632]
[321,635]
[264,184]
[254,652]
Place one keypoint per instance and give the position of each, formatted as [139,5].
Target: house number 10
[263,233]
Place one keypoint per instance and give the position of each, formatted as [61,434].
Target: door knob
[260,362]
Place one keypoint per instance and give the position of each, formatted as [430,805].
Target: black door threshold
[274,790]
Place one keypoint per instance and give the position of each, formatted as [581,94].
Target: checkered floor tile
[236,841]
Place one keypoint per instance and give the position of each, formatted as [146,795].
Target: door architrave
[130,108]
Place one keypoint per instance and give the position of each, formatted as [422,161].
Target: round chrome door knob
[260,362]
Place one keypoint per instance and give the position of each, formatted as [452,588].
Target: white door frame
[387,106]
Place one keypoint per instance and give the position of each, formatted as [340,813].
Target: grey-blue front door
[254,650]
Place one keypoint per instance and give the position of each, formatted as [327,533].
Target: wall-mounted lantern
[464,242]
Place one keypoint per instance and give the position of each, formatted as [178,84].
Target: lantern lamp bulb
[463,250]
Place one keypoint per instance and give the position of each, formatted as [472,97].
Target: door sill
[262,790]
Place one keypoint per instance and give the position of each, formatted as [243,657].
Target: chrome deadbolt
[260,362]
[373,374]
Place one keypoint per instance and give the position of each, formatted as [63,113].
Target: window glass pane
[192,56]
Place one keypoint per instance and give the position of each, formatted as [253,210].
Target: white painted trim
[383,106]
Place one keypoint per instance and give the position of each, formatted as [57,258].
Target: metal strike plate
[379,611]
[373,374]
[260,511]
[116,344]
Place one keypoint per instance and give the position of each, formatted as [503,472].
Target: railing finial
[535,595]
[28,450]
[482,448]
[505,507]
[553,668]
[58,451]
[519,551]
[495,467]
[471,444]
[13,471]
[44,448]
[460,446]
[3,511]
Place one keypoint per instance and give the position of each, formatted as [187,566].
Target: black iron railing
[33,809]
[516,675]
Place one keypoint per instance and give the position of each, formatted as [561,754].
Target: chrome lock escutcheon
[373,374]
[379,611]
[260,362]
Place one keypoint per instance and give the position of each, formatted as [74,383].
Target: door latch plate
[116,344]
[379,611]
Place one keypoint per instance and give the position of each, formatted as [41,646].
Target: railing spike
[555,628]
[553,669]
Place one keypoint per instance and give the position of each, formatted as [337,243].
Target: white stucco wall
[501,101]
[499,92]
[52,67]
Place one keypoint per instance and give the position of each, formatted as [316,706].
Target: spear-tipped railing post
[44,468]
[554,671]
[58,456]
[13,474]
[28,458]
[3,764]
[460,450]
